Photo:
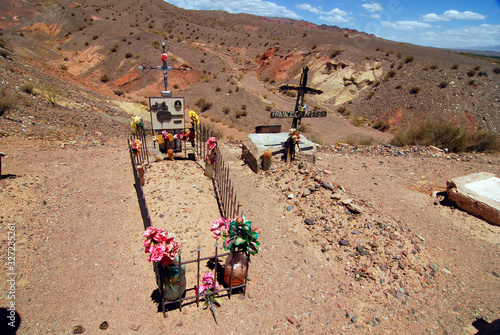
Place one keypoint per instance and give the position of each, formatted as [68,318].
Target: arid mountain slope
[231,55]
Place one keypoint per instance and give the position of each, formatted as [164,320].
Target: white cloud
[334,19]
[405,25]
[372,7]
[484,35]
[335,15]
[452,15]
[256,7]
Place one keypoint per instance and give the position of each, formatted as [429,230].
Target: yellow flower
[194,117]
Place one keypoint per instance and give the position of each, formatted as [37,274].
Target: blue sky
[435,23]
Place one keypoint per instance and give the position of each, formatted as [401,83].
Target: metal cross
[164,68]
[301,90]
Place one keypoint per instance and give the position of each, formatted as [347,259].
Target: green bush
[443,84]
[7,101]
[203,104]
[415,89]
[51,93]
[446,135]
[27,87]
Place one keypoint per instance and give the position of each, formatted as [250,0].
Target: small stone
[344,242]
[354,319]
[420,237]
[496,274]
[400,295]
[362,251]
[290,196]
[336,196]
[277,179]
[78,330]
[289,208]
[434,266]
[445,270]
[355,232]
[353,208]
[306,192]
[383,267]
[309,222]
[104,325]
[292,319]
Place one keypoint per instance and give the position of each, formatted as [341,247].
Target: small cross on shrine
[299,111]
[164,68]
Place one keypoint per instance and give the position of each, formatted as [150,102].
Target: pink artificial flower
[208,283]
[176,136]
[220,227]
[211,143]
[157,252]
[150,231]
[147,245]
[161,235]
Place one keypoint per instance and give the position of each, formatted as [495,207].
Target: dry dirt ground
[408,263]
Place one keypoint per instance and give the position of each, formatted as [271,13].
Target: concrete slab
[478,194]
[255,144]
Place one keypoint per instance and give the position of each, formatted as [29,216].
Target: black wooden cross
[299,111]
[164,68]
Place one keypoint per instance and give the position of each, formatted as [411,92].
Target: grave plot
[185,202]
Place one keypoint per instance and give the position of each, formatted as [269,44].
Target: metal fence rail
[187,299]
[229,206]
[142,156]
[146,219]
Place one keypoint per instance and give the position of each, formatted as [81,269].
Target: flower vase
[209,166]
[239,269]
[174,280]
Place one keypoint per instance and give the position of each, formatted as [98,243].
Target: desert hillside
[238,62]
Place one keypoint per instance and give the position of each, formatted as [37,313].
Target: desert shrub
[415,89]
[399,87]
[104,78]
[63,67]
[400,65]
[243,107]
[381,125]
[291,94]
[371,94]
[443,84]
[496,70]
[390,74]
[218,89]
[477,68]
[482,73]
[471,73]
[344,110]
[27,87]
[454,66]
[203,104]
[240,114]
[269,108]
[409,59]
[336,52]
[118,92]
[359,141]
[128,55]
[51,93]
[7,100]
[434,67]
[446,135]
[95,37]
[357,120]
[226,110]
[472,82]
